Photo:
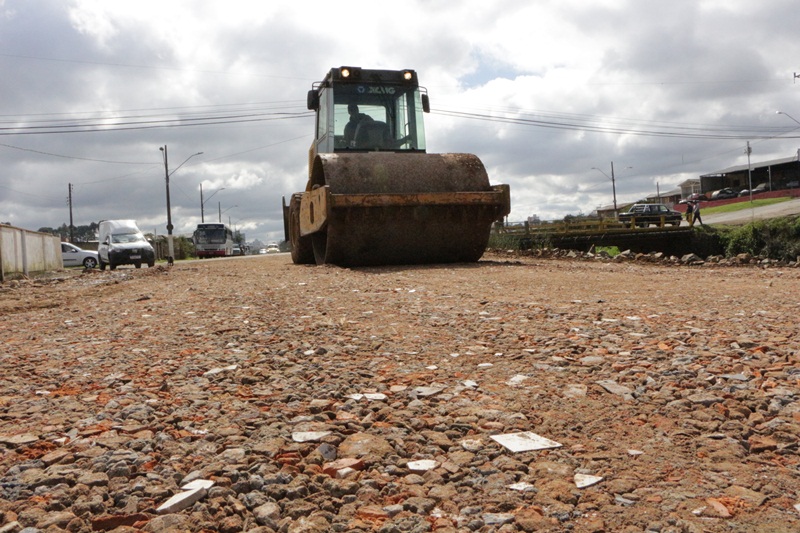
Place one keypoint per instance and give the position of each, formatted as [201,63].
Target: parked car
[744,192]
[694,197]
[71,256]
[643,215]
[724,194]
[793,184]
[273,248]
[761,187]
[697,197]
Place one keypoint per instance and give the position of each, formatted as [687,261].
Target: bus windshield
[211,235]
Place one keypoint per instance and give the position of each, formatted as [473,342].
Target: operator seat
[372,135]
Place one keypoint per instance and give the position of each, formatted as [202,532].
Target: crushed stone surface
[513,394]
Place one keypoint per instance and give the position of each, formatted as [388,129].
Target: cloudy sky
[541,91]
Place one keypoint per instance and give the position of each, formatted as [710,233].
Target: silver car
[71,256]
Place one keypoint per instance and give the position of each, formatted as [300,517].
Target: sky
[547,94]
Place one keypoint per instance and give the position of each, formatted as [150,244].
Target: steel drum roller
[387,208]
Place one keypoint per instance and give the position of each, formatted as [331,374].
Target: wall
[24,252]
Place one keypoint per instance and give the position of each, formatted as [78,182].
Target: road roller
[374,196]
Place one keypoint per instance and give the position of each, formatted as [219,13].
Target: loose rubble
[256,395]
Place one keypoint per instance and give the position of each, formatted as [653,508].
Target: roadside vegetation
[776,238]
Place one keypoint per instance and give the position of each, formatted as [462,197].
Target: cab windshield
[378,117]
[121,238]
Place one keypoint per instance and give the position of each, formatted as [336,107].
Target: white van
[122,243]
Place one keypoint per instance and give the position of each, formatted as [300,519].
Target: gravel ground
[256,395]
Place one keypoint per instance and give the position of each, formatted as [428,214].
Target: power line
[615,126]
[182,122]
[74,157]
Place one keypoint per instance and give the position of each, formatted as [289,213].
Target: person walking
[689,211]
[696,214]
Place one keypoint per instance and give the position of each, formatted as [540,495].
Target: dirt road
[329,399]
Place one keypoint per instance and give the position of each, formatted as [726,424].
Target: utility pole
[71,225]
[614,189]
[748,151]
[170,245]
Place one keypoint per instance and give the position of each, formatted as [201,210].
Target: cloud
[541,92]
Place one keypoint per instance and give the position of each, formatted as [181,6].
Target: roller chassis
[387,202]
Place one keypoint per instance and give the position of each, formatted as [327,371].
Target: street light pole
[613,184]
[167,174]
[221,212]
[788,115]
[203,202]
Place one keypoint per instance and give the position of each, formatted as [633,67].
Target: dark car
[643,215]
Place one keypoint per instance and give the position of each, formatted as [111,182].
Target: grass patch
[612,251]
[738,206]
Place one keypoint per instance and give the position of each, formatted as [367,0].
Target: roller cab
[374,196]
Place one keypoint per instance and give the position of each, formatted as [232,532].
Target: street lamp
[167,174]
[202,203]
[788,115]
[221,212]
[613,184]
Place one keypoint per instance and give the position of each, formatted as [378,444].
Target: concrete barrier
[24,252]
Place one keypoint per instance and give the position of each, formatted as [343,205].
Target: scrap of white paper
[428,391]
[585,480]
[525,441]
[371,396]
[516,380]
[307,436]
[198,484]
[522,486]
[422,465]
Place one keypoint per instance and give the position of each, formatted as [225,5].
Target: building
[776,174]
[669,198]
[690,187]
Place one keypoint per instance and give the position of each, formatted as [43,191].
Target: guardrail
[586,233]
[578,226]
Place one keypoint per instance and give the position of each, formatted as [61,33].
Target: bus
[213,240]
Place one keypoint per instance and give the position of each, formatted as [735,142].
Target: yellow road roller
[374,196]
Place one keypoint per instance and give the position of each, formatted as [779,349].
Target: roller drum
[417,233]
